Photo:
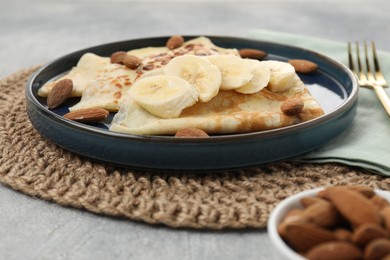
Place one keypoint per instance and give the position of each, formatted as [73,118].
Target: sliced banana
[163,96]
[199,72]
[261,76]
[236,72]
[282,75]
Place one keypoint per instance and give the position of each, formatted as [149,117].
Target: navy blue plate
[333,85]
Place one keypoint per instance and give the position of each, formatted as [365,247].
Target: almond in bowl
[339,222]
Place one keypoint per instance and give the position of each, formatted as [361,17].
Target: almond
[377,249]
[355,207]
[343,234]
[292,106]
[175,42]
[322,213]
[385,213]
[60,92]
[379,202]
[303,66]
[364,190]
[335,250]
[89,115]
[252,54]
[294,215]
[308,201]
[191,133]
[117,57]
[304,236]
[367,232]
[131,61]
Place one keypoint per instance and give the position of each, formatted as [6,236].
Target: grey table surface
[36,32]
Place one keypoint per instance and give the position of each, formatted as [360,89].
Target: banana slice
[261,76]
[199,72]
[236,72]
[282,75]
[163,96]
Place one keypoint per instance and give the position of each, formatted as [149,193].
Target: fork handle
[383,97]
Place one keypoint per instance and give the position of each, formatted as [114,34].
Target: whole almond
[131,61]
[368,232]
[303,236]
[308,201]
[377,249]
[303,66]
[385,214]
[191,133]
[88,115]
[364,190]
[322,213]
[334,250]
[379,202]
[252,54]
[175,42]
[60,92]
[292,106]
[294,215]
[117,57]
[355,207]
[343,234]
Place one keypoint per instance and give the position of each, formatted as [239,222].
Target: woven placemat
[231,199]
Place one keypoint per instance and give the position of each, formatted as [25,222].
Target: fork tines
[371,72]
[367,78]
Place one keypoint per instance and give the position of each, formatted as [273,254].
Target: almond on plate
[131,61]
[175,42]
[61,91]
[303,66]
[117,57]
[252,54]
[191,133]
[88,115]
[292,106]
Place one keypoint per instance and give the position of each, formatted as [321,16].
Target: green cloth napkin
[366,143]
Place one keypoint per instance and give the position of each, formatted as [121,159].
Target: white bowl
[281,210]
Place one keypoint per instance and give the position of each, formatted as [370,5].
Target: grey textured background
[36,32]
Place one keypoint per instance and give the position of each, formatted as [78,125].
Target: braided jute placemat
[220,200]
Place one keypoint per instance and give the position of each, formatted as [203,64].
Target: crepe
[103,84]
[229,112]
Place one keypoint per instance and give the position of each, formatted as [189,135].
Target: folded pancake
[228,112]
[101,83]
[90,67]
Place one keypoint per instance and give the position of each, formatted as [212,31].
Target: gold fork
[367,77]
